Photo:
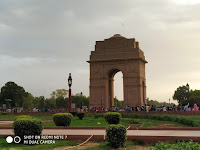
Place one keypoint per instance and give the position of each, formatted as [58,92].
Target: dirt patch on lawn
[45,121]
[166,125]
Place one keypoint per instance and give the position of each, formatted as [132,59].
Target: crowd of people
[145,108]
[148,108]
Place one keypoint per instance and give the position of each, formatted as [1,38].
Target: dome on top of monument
[117,36]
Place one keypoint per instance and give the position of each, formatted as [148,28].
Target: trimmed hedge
[116,135]
[193,121]
[81,115]
[4,113]
[190,145]
[23,116]
[27,126]
[74,113]
[112,117]
[62,119]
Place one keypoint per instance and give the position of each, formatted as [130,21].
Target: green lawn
[12,117]
[89,122]
[101,122]
[154,123]
[128,144]
[5,146]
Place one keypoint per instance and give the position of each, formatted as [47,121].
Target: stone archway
[111,75]
[111,56]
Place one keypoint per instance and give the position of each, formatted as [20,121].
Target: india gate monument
[112,55]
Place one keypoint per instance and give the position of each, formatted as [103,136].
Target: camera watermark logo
[16,139]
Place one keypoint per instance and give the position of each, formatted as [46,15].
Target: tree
[182,94]
[59,93]
[14,92]
[39,102]
[61,102]
[50,103]
[80,100]
[28,101]
[194,97]
[159,104]
[118,103]
[36,102]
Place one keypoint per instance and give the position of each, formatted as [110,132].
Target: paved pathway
[5,122]
[180,133]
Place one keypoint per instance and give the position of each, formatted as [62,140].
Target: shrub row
[178,146]
[193,121]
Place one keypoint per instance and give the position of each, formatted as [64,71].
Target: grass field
[101,122]
[128,145]
[12,117]
[5,146]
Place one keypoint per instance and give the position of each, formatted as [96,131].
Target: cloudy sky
[41,42]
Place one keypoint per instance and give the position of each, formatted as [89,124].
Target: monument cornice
[111,60]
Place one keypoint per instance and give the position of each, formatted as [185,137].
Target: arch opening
[115,88]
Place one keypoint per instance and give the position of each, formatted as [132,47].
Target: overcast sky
[41,42]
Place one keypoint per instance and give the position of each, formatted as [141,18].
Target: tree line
[20,98]
[59,98]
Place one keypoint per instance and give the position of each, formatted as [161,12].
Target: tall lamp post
[81,100]
[101,102]
[70,98]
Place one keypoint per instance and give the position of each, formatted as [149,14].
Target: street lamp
[70,98]
[101,101]
[188,87]
[81,100]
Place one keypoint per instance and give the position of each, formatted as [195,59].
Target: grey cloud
[61,34]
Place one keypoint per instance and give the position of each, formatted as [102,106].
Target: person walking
[196,108]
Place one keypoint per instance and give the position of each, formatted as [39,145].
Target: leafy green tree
[182,94]
[61,102]
[158,104]
[36,102]
[14,92]
[28,101]
[80,100]
[59,93]
[50,103]
[118,103]
[194,97]
[42,102]
[39,102]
